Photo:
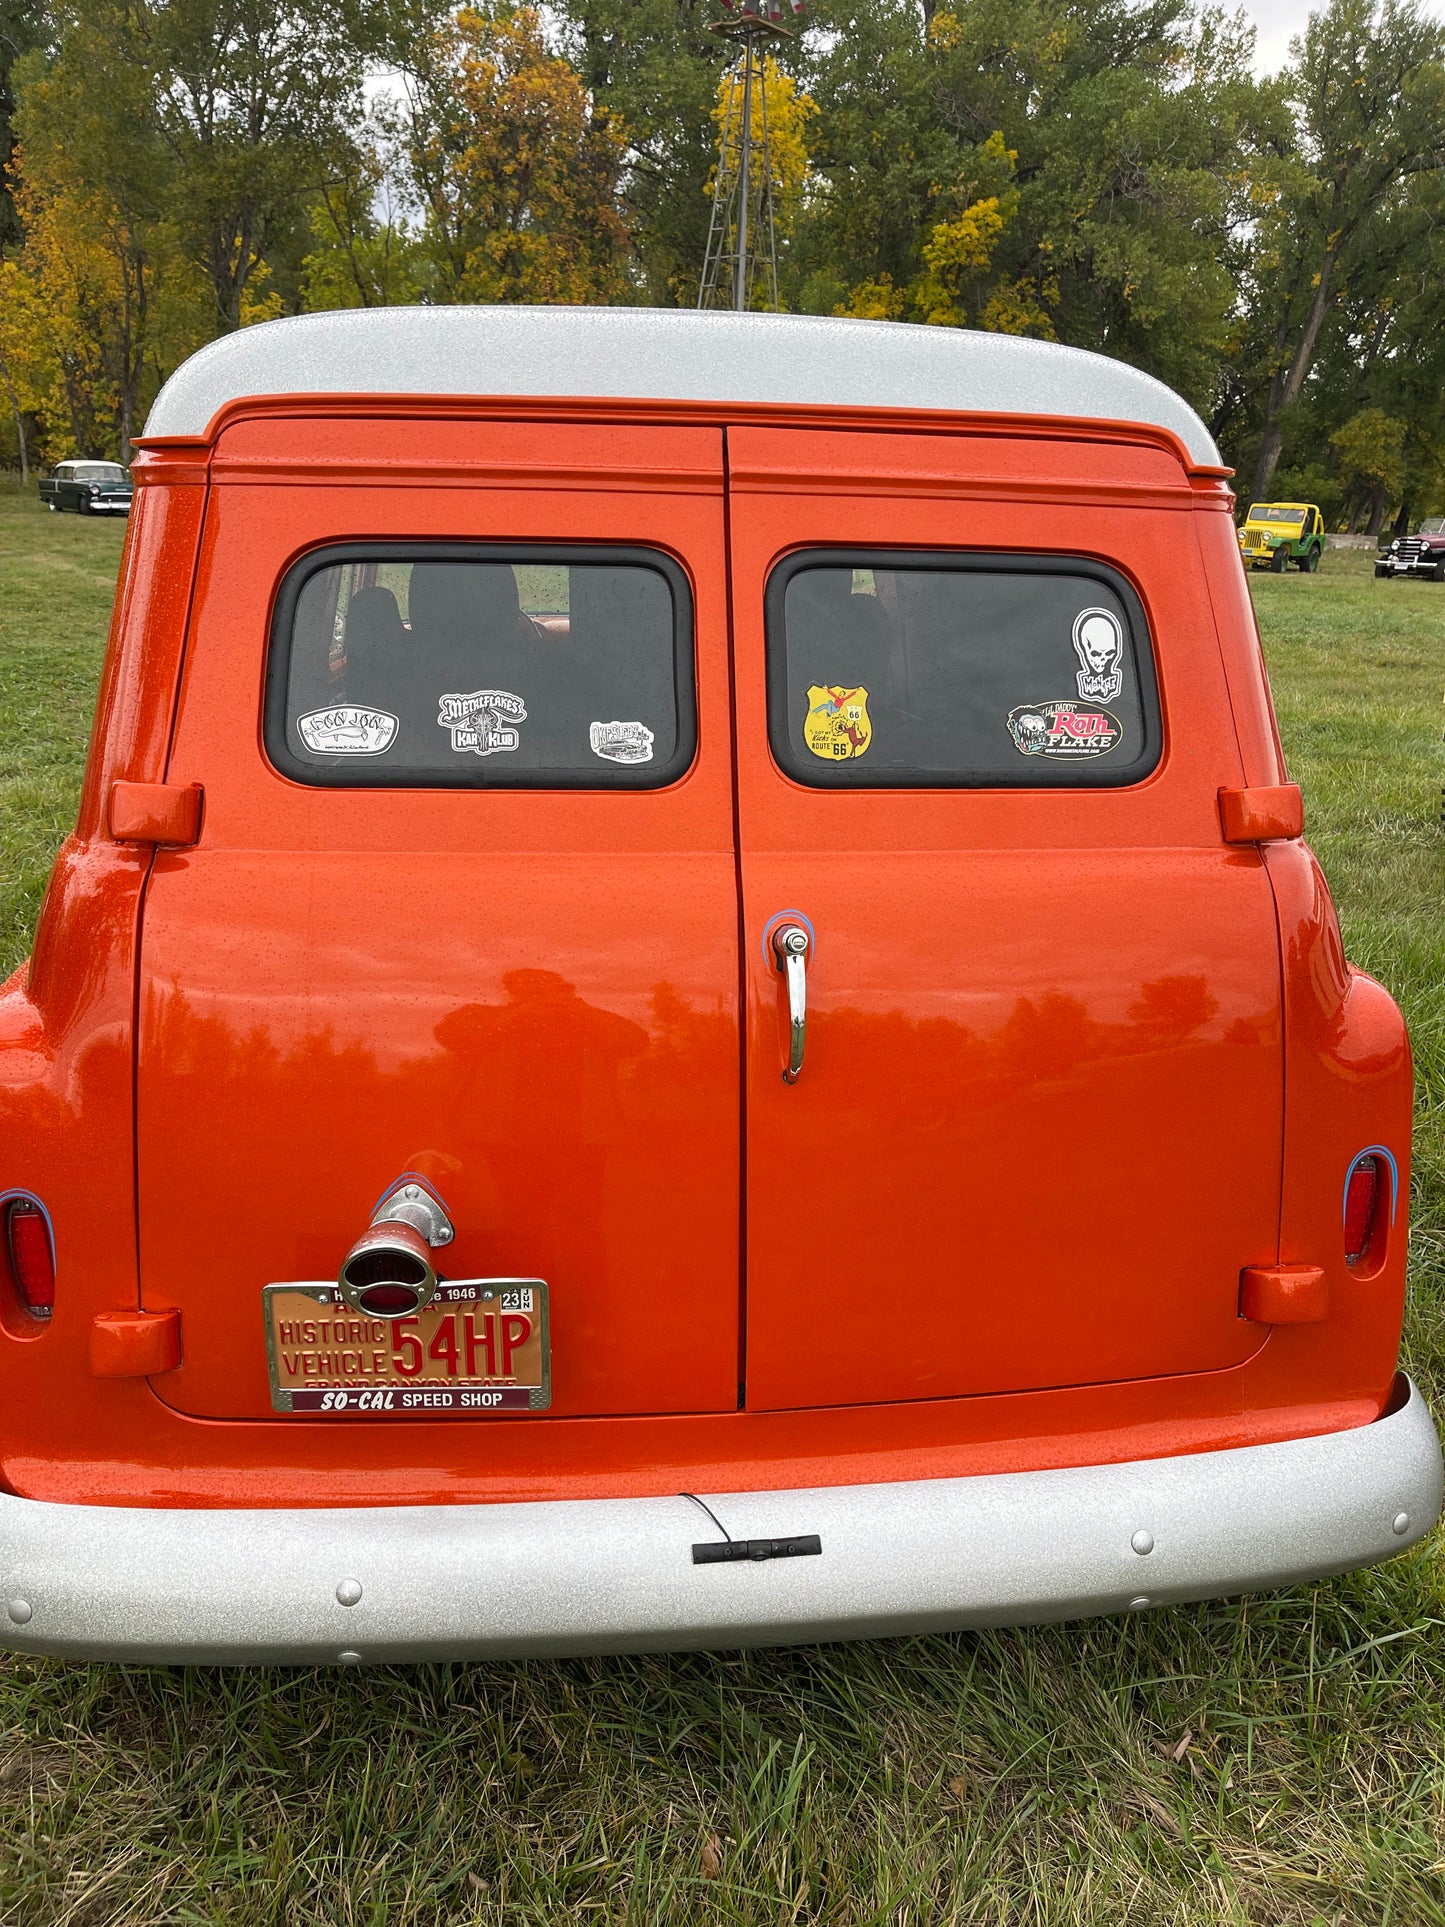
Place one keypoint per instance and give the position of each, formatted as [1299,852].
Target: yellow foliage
[256,303]
[1013,308]
[519,171]
[875,301]
[787,111]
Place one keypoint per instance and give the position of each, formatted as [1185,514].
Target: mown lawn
[1277,1760]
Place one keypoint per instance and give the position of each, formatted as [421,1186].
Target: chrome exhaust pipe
[388,1272]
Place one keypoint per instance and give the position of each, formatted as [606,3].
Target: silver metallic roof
[664,354]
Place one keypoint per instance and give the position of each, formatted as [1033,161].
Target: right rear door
[1037,1130]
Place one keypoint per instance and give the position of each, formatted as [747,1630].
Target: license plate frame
[309,1377]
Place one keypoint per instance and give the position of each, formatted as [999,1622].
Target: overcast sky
[1276,22]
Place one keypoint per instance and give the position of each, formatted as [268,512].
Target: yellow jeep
[1278,533]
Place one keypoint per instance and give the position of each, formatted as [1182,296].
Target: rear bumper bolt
[348,1592]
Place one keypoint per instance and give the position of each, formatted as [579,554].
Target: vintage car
[1278,533]
[686,1009]
[90,488]
[1421,554]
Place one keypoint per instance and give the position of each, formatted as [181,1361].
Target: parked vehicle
[687,1009]
[90,488]
[1421,554]
[1278,533]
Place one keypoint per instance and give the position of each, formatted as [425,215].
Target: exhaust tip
[388,1272]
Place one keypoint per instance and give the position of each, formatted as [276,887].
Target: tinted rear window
[967,671]
[481,667]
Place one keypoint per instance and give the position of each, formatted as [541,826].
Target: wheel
[1279,562]
[1437,574]
[51,507]
[1383,569]
[1309,563]
[83,507]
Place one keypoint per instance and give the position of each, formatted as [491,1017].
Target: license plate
[482,1346]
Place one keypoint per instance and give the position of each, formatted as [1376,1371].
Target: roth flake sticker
[347,730]
[1074,731]
[1099,645]
[621,742]
[483,721]
[836,726]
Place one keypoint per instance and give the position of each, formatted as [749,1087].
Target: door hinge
[1284,1294]
[135,1344]
[155,812]
[1262,815]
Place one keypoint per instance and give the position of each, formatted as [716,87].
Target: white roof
[667,354]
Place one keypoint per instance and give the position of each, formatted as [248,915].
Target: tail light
[1362,1194]
[32,1255]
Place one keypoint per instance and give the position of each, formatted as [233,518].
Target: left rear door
[508,959]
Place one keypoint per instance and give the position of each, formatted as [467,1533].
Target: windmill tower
[741,267]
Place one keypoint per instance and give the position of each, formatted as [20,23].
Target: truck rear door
[464,902]
[982,723]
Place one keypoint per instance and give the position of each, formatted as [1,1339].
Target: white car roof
[667,354]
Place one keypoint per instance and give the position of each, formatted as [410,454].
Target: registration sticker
[483,1345]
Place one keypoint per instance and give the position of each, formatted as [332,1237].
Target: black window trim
[523,554]
[854,776]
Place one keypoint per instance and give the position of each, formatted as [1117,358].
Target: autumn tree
[516,168]
[654,67]
[1367,81]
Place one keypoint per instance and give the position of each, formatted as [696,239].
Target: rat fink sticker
[1099,645]
[621,742]
[347,730]
[481,722]
[836,725]
[1065,728]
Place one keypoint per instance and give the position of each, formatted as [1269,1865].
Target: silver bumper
[615,1575]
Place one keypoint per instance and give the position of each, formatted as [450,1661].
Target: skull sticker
[1099,645]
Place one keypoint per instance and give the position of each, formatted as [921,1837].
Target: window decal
[483,721]
[837,725]
[621,742]
[347,731]
[1063,728]
[1099,645]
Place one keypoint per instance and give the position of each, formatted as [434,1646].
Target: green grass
[1005,1778]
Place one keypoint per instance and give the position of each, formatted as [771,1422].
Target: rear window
[891,670]
[481,667]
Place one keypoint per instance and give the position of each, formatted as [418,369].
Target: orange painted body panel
[1073,1062]
[1038,1131]
[532,996]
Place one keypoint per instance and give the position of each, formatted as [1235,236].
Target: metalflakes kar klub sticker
[1076,731]
[621,742]
[346,729]
[1099,645]
[482,720]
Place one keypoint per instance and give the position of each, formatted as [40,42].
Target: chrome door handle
[790,949]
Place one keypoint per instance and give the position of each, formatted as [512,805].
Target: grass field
[1277,1760]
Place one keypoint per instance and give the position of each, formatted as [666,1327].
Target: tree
[517,170]
[1371,448]
[653,65]
[21,29]
[1367,81]
[363,254]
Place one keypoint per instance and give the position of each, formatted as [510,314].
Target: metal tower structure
[742,247]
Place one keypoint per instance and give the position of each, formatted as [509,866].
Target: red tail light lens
[1361,1196]
[32,1262]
